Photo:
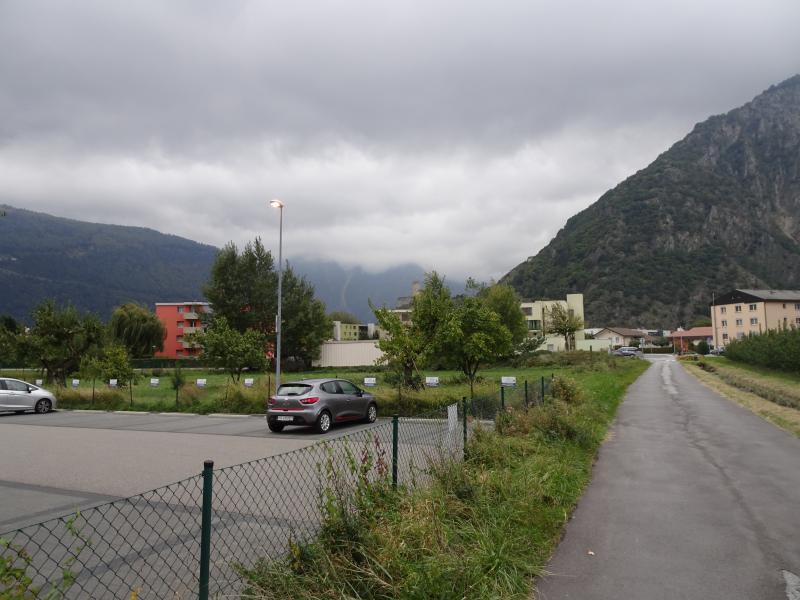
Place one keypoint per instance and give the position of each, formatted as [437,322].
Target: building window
[178,338]
[180,309]
[797,321]
[738,308]
[179,352]
[724,336]
[797,306]
[724,322]
[752,307]
[784,305]
[738,322]
[739,335]
[723,310]
[527,310]
[180,323]
[754,321]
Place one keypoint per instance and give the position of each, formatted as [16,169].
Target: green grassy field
[485,529]
[221,395]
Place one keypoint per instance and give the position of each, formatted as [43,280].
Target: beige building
[348,354]
[740,313]
[350,332]
[536,312]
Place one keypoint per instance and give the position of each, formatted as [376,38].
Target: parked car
[19,396]
[319,403]
[627,351]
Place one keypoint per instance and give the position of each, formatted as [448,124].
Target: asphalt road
[692,497]
[60,462]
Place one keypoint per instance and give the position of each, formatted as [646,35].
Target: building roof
[197,302]
[791,295]
[741,295]
[627,332]
[694,332]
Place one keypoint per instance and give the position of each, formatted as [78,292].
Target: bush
[702,347]
[566,390]
[774,349]
[104,399]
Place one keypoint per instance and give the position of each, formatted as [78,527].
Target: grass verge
[742,390]
[484,529]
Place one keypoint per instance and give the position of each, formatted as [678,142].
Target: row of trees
[464,332]
[62,341]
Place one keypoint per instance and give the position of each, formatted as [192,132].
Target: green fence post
[526,393]
[541,397]
[395,421]
[205,532]
[464,405]
[502,398]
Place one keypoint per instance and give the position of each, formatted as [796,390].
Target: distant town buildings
[536,316]
[181,319]
[740,313]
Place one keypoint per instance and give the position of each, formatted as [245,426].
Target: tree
[138,329]
[305,324]
[115,364]
[401,348]
[563,323]
[178,380]
[343,317]
[473,335]
[702,347]
[702,322]
[9,341]
[59,338]
[505,301]
[243,287]
[431,308]
[231,350]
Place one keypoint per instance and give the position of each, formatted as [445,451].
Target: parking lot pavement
[57,463]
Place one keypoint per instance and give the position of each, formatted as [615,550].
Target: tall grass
[484,529]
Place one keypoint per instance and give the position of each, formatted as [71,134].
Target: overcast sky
[460,135]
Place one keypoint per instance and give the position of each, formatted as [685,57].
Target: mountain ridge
[97,266]
[717,210]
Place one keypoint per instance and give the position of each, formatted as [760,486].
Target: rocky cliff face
[718,210]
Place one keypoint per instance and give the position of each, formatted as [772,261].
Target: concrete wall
[593,345]
[348,354]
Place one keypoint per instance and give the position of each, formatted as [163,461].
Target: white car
[19,396]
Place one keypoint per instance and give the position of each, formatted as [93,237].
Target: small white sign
[76,383]
[508,382]
[201,383]
[432,381]
[112,383]
[248,383]
[452,417]
[39,382]
[370,381]
[154,382]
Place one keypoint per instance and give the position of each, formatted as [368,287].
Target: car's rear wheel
[276,427]
[372,413]
[323,424]
[43,406]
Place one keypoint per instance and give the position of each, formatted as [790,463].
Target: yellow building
[536,316]
[740,313]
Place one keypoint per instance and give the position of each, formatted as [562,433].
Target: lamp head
[276,203]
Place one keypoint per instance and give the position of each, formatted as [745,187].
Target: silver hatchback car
[319,403]
[19,396]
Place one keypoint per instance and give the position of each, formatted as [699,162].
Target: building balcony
[190,344]
[191,316]
[192,330]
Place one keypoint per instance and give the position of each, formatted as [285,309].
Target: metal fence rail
[151,543]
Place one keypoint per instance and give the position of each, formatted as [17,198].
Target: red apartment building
[179,319]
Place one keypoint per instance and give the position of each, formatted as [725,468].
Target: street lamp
[279,205]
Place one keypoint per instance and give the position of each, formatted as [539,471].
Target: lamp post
[279,205]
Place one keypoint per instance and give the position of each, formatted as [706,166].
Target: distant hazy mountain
[97,267]
[719,210]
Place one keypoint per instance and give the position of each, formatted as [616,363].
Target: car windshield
[293,389]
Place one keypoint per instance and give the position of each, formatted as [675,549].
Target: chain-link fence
[521,395]
[182,539]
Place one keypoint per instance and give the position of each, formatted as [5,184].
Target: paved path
[693,497]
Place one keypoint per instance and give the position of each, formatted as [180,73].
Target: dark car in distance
[319,403]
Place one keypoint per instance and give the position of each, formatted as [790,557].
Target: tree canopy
[564,323]
[138,329]
[232,350]
[344,317]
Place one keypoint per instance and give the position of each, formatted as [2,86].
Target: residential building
[344,332]
[181,319]
[348,354]
[623,336]
[740,313]
[684,339]
[403,307]
[536,317]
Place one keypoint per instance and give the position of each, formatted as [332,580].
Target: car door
[17,396]
[335,401]
[3,397]
[354,404]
